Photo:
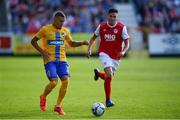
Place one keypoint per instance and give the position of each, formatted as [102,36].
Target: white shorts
[106,61]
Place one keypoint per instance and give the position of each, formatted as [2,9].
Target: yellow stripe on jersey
[54,40]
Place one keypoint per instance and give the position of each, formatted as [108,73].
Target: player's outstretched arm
[77,43]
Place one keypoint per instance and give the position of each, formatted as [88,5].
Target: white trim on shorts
[107,61]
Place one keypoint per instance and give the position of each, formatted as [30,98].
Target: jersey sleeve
[125,33]
[96,32]
[40,33]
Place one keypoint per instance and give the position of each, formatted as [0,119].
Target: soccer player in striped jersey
[54,37]
[112,35]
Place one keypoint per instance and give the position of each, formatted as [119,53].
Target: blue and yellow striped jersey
[54,40]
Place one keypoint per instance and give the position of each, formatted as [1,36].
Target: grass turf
[142,88]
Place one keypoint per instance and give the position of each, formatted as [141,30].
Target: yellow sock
[62,92]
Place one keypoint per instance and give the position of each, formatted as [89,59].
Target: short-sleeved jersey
[111,39]
[53,41]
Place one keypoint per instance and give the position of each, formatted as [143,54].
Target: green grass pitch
[142,89]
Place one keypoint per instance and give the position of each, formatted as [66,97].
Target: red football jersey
[111,39]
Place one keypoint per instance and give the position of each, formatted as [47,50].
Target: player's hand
[85,42]
[88,54]
[122,53]
[45,56]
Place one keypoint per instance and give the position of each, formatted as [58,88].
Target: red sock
[101,75]
[107,87]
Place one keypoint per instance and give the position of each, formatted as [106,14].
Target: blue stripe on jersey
[57,50]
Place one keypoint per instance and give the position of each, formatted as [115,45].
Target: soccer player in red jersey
[54,36]
[112,35]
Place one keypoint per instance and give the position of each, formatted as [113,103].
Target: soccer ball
[98,109]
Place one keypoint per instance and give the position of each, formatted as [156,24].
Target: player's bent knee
[108,72]
[53,82]
[65,83]
[64,78]
[109,75]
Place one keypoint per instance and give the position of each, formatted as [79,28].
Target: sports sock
[62,92]
[107,87]
[101,75]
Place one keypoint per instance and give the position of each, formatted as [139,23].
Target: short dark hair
[59,14]
[112,10]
